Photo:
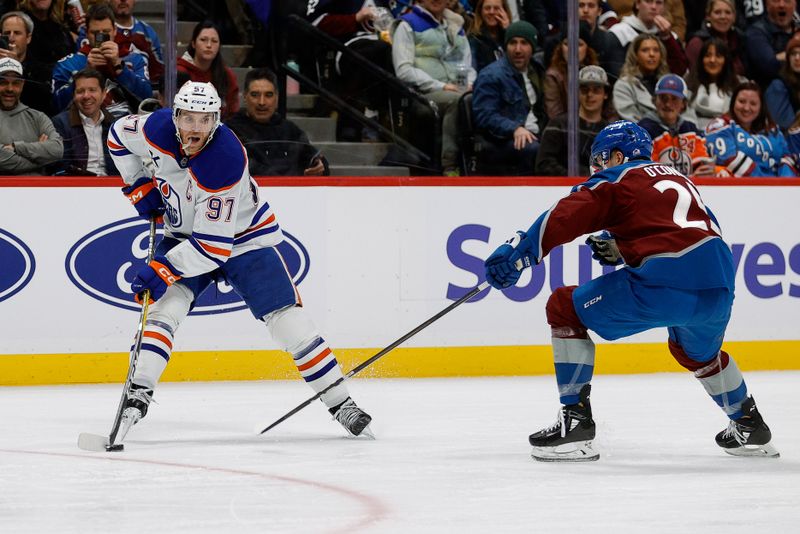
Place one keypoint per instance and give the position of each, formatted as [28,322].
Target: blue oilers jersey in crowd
[664,231]
[212,203]
[748,154]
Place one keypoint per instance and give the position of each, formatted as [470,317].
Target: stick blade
[95,443]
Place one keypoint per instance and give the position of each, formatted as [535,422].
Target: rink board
[373,259]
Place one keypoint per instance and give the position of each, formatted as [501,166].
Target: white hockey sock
[319,368]
[155,353]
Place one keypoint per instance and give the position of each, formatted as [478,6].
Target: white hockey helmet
[197,96]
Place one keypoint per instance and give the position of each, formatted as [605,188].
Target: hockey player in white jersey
[215,226]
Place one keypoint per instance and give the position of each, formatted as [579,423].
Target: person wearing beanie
[508,107]
[783,93]
[431,53]
[594,112]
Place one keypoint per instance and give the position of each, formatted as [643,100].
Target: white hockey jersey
[211,201]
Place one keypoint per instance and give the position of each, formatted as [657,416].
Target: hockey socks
[319,368]
[156,350]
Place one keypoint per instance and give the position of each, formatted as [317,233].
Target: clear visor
[195,121]
[597,163]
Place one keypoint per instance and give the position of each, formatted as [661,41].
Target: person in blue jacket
[127,70]
[508,107]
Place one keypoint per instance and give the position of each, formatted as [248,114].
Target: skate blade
[366,433]
[95,443]
[130,417]
[580,451]
[758,451]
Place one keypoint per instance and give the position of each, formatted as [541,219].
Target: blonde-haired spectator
[644,64]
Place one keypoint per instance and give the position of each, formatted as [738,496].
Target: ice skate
[569,439]
[136,405]
[749,435]
[353,419]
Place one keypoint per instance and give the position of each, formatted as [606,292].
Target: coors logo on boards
[17,264]
[103,263]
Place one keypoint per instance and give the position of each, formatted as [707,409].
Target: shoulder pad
[221,164]
[159,131]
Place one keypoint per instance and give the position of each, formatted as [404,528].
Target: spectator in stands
[594,34]
[594,100]
[139,36]
[84,128]
[17,28]
[354,24]
[126,69]
[676,140]
[648,18]
[748,12]
[203,62]
[507,106]
[28,140]
[644,65]
[711,82]
[555,77]
[783,94]
[50,39]
[275,145]
[674,12]
[720,19]
[746,140]
[487,34]
[430,51]
[767,39]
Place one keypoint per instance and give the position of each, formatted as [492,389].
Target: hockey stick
[360,367]
[94,442]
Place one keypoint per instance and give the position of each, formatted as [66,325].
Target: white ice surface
[451,456]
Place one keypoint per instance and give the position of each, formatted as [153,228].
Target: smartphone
[100,38]
[313,161]
[4,42]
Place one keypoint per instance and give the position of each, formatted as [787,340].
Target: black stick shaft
[360,367]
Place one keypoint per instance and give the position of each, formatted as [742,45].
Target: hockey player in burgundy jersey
[215,227]
[678,273]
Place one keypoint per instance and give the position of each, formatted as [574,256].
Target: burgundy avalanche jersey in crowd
[665,233]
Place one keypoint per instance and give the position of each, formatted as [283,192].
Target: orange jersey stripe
[269,220]
[215,250]
[311,363]
[161,337]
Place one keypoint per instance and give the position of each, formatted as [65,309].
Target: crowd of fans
[680,68]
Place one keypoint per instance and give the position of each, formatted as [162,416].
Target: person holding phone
[128,70]
[275,145]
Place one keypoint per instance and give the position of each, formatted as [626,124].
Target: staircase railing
[406,107]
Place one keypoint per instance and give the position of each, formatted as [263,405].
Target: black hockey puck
[117,447]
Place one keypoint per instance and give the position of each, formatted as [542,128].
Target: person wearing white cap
[594,100]
[28,140]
